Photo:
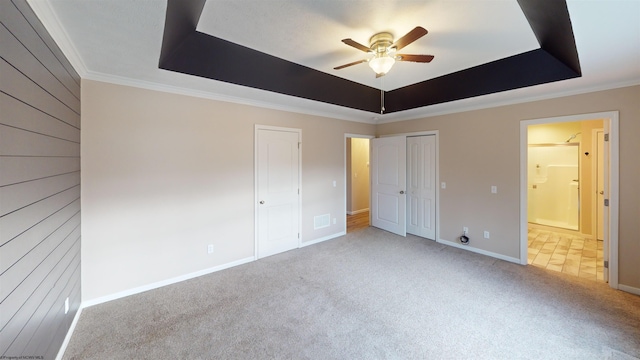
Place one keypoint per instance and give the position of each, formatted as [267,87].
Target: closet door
[388,173]
[421,186]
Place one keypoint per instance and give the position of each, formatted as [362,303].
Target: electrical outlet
[494,189]
[210,249]
[334,183]
[443,185]
[486,234]
[66,305]
[334,221]
[465,230]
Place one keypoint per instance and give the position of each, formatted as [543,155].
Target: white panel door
[421,186]
[388,173]
[600,184]
[278,181]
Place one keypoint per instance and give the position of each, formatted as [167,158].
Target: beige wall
[163,175]
[481,148]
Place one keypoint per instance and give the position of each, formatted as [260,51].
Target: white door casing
[611,160]
[421,186]
[277,190]
[388,179]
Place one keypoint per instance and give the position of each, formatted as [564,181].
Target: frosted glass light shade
[382,64]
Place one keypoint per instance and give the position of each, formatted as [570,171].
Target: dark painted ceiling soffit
[188,51]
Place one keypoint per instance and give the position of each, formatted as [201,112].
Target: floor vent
[321,221]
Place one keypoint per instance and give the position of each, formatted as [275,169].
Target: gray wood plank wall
[39,187]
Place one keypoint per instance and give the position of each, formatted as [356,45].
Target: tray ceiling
[121,41]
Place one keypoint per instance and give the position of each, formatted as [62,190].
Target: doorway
[357,180]
[561,213]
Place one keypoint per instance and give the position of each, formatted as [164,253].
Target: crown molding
[47,15]
[149,85]
[458,106]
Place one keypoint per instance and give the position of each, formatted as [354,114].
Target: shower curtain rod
[555,144]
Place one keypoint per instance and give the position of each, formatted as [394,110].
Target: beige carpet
[367,295]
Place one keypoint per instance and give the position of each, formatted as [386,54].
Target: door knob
[601,192]
[261,202]
[401,191]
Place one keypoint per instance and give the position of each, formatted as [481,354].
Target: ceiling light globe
[382,64]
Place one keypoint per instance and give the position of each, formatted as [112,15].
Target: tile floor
[566,253]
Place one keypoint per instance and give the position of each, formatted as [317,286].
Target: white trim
[324,238]
[257,128]
[159,284]
[344,152]
[172,89]
[479,251]
[611,119]
[49,19]
[629,289]
[357,211]
[67,337]
[457,106]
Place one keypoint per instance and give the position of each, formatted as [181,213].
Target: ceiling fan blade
[411,36]
[356,45]
[414,58]
[349,64]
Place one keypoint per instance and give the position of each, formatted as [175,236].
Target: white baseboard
[480,251]
[166,282]
[629,289]
[328,237]
[357,211]
[67,338]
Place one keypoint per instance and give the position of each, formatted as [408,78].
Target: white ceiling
[120,40]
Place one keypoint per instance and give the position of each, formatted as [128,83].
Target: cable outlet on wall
[486,234]
[210,249]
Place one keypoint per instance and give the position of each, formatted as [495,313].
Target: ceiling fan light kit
[381,64]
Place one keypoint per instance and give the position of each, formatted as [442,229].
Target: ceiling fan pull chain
[381,101]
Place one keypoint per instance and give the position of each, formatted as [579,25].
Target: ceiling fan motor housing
[380,43]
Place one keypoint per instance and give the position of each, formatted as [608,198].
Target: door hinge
[606,137]
[299,145]
[606,202]
[298,191]
[606,264]
[298,235]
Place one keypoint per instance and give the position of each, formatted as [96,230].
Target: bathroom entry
[565,175]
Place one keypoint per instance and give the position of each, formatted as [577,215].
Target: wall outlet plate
[486,234]
[210,249]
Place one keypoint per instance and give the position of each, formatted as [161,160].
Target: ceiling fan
[383,49]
